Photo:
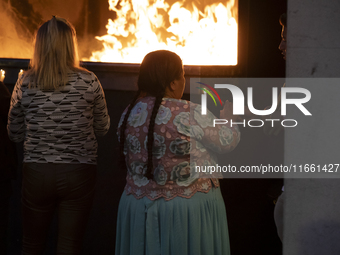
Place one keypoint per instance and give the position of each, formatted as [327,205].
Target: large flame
[200,37]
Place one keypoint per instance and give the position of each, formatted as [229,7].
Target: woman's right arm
[221,138]
[101,123]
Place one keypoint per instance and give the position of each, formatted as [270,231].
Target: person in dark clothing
[7,165]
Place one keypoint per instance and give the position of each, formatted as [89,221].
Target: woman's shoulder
[177,104]
[84,74]
[176,101]
[168,107]
[85,78]
[24,80]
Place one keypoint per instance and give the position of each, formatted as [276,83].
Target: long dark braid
[157,71]
[122,162]
[158,101]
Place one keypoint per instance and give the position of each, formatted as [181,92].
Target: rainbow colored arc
[209,93]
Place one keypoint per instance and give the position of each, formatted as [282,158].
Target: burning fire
[200,37]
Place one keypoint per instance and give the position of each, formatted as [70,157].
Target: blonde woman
[57,109]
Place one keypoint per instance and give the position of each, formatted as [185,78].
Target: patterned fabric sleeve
[220,139]
[101,123]
[16,117]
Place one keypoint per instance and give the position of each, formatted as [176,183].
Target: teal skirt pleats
[181,226]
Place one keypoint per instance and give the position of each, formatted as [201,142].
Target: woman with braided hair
[167,207]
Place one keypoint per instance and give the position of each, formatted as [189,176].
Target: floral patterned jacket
[184,142]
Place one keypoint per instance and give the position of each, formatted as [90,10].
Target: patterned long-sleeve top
[184,141]
[59,126]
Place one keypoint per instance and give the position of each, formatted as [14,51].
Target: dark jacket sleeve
[5,99]
[8,156]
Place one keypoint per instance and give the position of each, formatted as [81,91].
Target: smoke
[15,35]
[20,19]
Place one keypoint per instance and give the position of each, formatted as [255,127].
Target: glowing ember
[200,37]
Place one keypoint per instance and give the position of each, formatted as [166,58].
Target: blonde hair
[55,54]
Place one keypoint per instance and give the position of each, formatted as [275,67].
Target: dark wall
[260,36]
[249,202]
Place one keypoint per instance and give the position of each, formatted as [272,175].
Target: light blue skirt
[181,226]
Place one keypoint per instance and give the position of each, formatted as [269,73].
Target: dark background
[249,206]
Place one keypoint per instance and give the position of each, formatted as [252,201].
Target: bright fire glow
[199,37]
[2,75]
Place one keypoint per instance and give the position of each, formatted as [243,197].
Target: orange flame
[2,75]
[207,37]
